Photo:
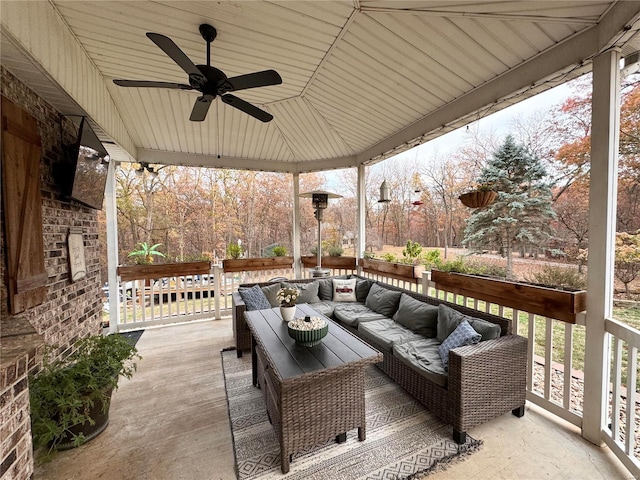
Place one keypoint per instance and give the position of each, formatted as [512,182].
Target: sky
[498,123]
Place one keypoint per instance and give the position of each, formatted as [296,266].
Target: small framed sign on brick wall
[76,254]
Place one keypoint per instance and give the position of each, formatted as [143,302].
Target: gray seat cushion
[324,308]
[422,356]
[386,333]
[355,313]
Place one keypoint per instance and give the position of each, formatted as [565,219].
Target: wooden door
[22,207]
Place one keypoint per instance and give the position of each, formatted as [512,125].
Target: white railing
[554,373]
[187,295]
[411,285]
[621,430]
[555,379]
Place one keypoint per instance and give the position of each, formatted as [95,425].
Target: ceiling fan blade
[170,48]
[246,107]
[200,108]
[251,80]
[146,83]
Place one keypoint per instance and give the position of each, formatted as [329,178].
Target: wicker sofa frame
[484,381]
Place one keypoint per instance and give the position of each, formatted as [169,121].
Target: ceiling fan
[209,81]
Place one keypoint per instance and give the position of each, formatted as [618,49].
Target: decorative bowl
[308,335]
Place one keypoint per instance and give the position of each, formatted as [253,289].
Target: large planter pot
[478,198]
[553,303]
[261,263]
[399,271]
[346,263]
[99,413]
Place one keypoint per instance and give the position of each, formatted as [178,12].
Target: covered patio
[362,81]
[185,433]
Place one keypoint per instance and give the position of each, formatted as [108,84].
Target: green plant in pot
[144,253]
[70,398]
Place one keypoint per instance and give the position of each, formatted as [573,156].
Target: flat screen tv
[83,175]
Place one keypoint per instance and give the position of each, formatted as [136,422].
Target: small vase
[288,313]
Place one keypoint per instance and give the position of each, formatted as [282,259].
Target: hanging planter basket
[478,198]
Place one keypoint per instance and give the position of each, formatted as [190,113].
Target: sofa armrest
[237,314]
[487,380]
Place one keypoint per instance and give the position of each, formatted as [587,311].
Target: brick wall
[71,310]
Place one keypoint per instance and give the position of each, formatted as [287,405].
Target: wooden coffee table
[312,394]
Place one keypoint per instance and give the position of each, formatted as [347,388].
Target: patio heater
[319,200]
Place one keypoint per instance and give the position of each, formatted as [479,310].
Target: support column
[605,132]
[112,247]
[362,211]
[296,226]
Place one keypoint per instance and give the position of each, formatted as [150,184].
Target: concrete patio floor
[170,422]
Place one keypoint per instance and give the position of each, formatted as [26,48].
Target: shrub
[411,252]
[554,276]
[279,251]
[457,266]
[389,257]
[432,259]
[335,250]
[368,254]
[234,250]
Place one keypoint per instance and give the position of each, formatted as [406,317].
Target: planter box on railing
[138,272]
[262,263]
[399,271]
[549,302]
[310,261]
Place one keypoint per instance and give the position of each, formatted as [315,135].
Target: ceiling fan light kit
[208,80]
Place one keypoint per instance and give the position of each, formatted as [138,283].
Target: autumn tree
[627,258]
[521,213]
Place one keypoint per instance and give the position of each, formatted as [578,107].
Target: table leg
[362,433]
[254,362]
[341,438]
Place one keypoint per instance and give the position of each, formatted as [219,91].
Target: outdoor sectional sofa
[482,381]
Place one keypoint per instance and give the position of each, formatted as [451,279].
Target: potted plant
[70,398]
[145,253]
[287,296]
[479,197]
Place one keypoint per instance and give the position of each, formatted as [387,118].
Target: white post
[362,205]
[605,128]
[112,248]
[296,226]
[217,289]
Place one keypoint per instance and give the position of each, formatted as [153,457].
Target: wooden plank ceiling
[356,73]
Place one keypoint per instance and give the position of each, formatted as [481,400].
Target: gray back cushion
[362,289]
[308,291]
[271,292]
[417,316]
[449,319]
[325,289]
[254,298]
[382,300]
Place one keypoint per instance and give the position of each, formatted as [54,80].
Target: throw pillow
[382,300]
[271,292]
[308,291]
[254,298]
[344,290]
[464,334]
[449,319]
[325,289]
[362,289]
[418,316]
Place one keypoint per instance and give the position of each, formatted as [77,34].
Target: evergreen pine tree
[521,213]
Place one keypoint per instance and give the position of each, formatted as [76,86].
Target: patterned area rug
[404,440]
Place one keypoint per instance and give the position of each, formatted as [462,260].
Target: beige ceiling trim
[220,161]
[574,51]
[494,16]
